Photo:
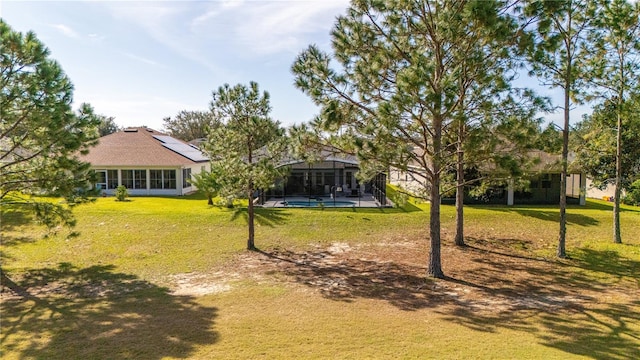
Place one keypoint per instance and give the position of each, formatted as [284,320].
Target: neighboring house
[331,174]
[146,161]
[544,185]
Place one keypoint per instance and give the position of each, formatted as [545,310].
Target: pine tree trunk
[250,241]
[562,253]
[459,238]
[435,265]
[617,237]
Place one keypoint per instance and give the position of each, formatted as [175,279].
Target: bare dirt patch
[484,276]
[197,284]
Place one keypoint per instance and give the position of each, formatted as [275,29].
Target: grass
[169,278]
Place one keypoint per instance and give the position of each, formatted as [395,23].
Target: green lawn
[157,278]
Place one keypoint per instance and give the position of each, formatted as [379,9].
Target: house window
[546,181]
[134,179]
[168,179]
[155,178]
[101,179]
[112,179]
[127,178]
[140,179]
[162,179]
[186,176]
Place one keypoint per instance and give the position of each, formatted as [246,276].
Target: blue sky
[141,61]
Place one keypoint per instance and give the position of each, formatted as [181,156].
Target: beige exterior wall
[147,190]
[595,193]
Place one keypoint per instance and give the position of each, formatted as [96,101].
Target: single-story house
[146,161]
[544,185]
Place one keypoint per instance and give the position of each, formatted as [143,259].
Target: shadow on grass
[12,217]
[573,306]
[399,284]
[609,262]
[11,220]
[546,214]
[264,217]
[608,206]
[361,210]
[409,207]
[587,313]
[95,313]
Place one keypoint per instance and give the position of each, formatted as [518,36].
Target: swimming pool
[315,203]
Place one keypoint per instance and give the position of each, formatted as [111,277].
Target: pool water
[315,203]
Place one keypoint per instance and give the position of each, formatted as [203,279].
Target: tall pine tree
[615,69]
[247,146]
[40,135]
[403,84]
[560,28]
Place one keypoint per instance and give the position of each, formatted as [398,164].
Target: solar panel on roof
[167,139]
[186,151]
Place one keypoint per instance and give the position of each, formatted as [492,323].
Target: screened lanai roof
[326,154]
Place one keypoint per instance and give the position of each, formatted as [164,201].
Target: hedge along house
[543,178]
[146,162]
[330,175]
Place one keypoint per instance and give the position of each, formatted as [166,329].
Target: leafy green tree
[107,125]
[404,84]
[559,29]
[40,135]
[597,139]
[246,148]
[191,125]
[633,194]
[615,68]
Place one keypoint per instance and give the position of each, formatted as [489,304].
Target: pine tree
[560,35]
[404,82]
[615,69]
[40,135]
[246,148]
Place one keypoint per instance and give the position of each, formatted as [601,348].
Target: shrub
[633,195]
[121,193]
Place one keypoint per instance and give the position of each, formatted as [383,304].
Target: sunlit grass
[110,286]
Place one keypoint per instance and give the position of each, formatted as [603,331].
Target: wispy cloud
[284,26]
[165,23]
[66,30]
[268,27]
[143,60]
[216,9]
[96,37]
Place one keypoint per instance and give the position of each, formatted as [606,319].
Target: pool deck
[366,200]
